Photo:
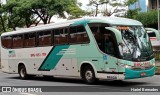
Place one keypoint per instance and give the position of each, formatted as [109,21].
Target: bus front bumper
[131,74]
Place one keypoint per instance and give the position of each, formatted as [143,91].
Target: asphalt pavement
[63,86]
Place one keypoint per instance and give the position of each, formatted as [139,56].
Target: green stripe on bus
[53,58]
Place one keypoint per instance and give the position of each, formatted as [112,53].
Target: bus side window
[63,36]
[82,36]
[152,34]
[29,40]
[18,41]
[44,38]
[56,36]
[52,37]
[7,42]
[73,35]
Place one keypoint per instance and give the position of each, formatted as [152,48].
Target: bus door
[111,42]
[110,55]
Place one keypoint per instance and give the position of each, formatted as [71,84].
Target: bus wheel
[89,75]
[22,72]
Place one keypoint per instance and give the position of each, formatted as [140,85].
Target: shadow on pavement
[78,81]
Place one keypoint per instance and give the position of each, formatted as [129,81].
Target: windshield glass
[136,45]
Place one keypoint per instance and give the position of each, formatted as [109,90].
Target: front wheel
[89,75]
[22,72]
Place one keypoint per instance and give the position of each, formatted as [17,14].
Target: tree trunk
[2,22]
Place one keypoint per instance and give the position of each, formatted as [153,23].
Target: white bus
[88,48]
[154,36]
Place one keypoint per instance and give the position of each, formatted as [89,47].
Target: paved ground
[73,84]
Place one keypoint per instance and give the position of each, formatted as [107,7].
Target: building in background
[144,5]
[152,4]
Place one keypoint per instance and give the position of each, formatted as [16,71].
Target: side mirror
[117,34]
[150,30]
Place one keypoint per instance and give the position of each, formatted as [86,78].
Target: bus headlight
[126,66]
[153,64]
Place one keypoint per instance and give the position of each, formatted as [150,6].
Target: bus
[105,48]
[154,36]
[155,41]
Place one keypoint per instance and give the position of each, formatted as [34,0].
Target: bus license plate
[143,74]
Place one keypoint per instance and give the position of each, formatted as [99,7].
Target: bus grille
[141,68]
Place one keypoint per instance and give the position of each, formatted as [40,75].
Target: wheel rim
[22,72]
[89,75]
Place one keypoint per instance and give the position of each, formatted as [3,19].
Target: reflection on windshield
[136,44]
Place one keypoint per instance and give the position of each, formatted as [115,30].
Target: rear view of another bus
[154,36]
[155,41]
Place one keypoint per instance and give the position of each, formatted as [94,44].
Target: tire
[22,72]
[89,75]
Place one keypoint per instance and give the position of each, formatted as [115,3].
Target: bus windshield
[136,45]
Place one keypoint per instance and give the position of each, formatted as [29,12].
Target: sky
[84,3]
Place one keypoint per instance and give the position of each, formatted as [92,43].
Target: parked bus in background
[89,48]
[154,36]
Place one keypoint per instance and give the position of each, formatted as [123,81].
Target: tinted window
[7,41]
[82,36]
[104,38]
[29,40]
[78,34]
[152,34]
[44,38]
[60,36]
[17,41]
[73,36]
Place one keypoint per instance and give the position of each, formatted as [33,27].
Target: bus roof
[109,20]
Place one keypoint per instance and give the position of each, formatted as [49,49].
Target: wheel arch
[86,63]
[20,64]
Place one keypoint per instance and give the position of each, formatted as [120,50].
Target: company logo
[11,53]
[139,64]
[6,89]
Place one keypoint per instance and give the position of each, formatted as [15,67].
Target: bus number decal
[38,54]
[112,77]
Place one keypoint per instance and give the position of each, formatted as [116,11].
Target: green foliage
[74,10]
[116,6]
[20,13]
[130,2]
[132,13]
[149,19]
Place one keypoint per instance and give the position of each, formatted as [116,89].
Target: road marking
[28,94]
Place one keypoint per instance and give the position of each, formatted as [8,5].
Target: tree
[131,13]
[15,14]
[20,13]
[74,10]
[111,6]
[45,9]
[149,19]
